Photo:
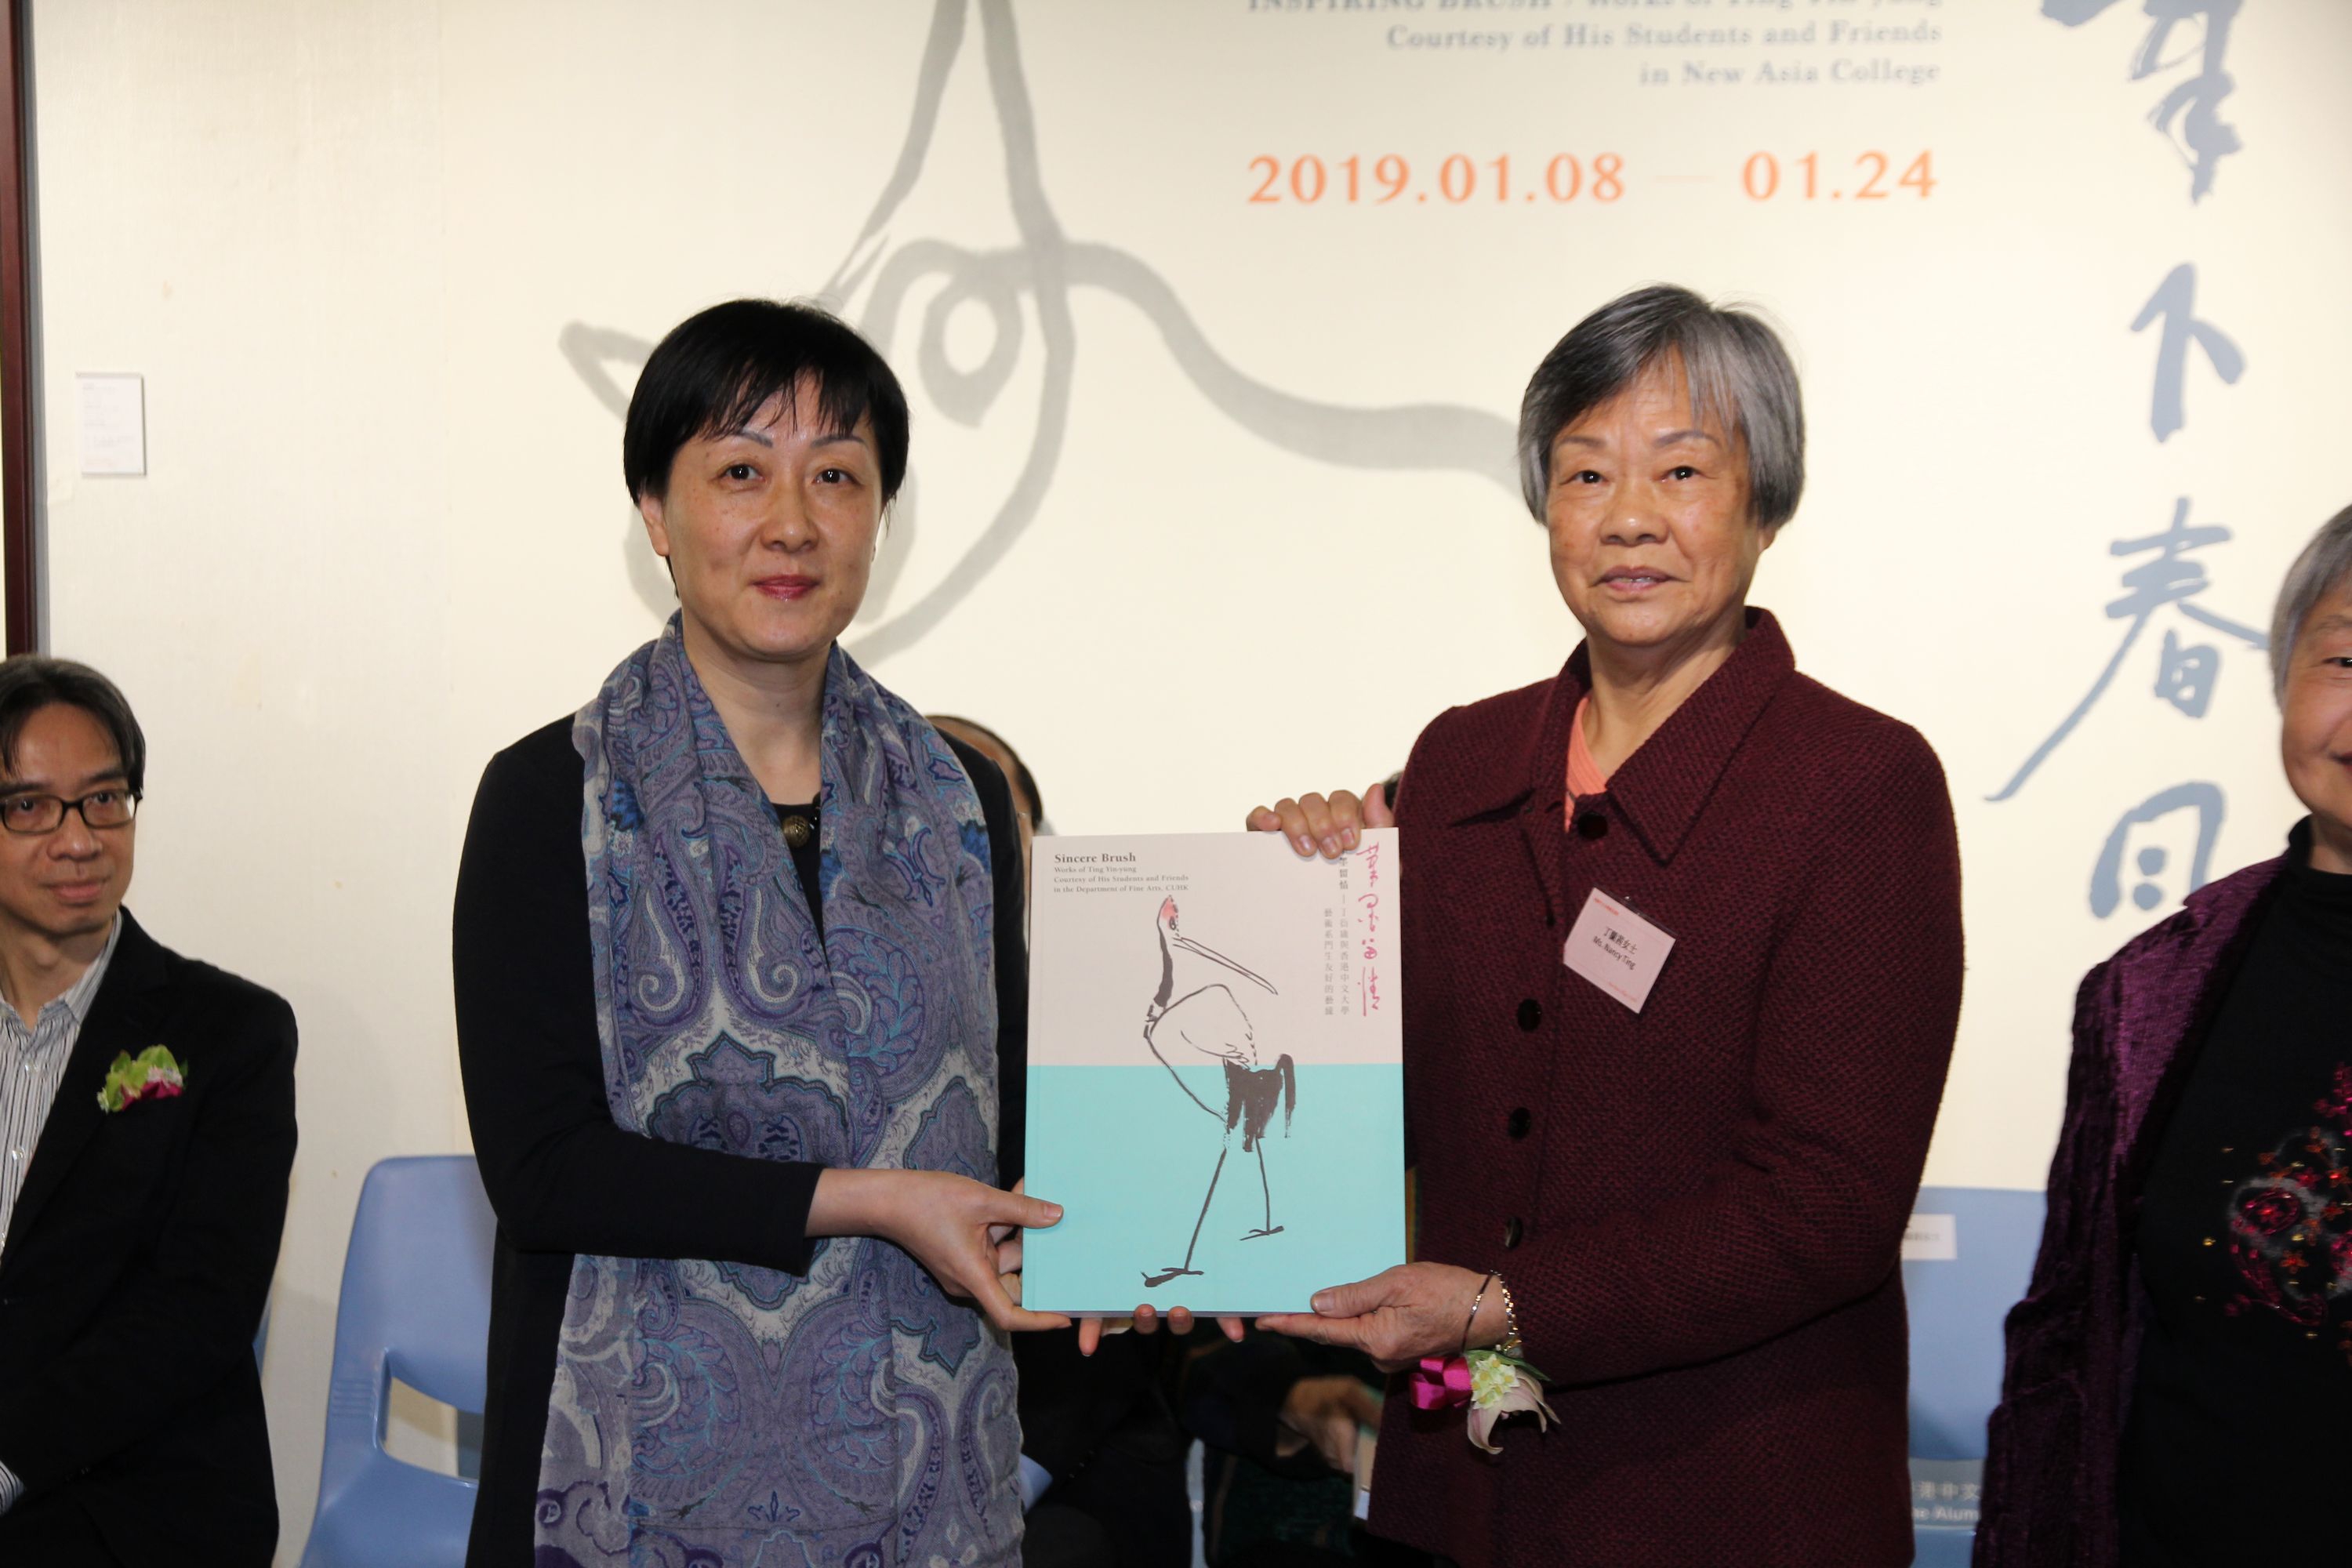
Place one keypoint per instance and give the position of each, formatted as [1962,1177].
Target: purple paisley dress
[714,1415]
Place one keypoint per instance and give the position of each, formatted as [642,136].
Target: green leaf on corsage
[150,1075]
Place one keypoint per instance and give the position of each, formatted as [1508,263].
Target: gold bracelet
[1510,1345]
[1476,1302]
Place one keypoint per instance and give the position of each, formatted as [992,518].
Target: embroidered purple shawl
[712,1413]
[2074,1341]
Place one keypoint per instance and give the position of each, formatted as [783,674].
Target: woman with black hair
[740,1000]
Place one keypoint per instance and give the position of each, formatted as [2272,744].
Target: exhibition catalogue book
[1216,1079]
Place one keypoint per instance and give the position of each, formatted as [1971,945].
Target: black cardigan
[562,1177]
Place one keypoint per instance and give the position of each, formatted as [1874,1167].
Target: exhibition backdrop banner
[1215,317]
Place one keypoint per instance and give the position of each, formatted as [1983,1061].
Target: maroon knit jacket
[2074,1341]
[1698,1208]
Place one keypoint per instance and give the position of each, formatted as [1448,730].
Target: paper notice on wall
[1216,1073]
[113,425]
[1932,1238]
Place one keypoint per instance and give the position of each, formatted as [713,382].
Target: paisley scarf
[711,1414]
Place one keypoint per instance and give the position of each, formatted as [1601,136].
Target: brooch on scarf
[152,1075]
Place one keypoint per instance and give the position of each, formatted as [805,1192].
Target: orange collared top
[1584,774]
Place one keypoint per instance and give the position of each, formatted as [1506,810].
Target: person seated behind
[1102,1457]
[146,1132]
[1028,805]
[1279,1420]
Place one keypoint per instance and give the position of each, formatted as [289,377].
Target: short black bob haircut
[717,369]
[31,682]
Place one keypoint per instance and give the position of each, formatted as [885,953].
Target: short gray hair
[2318,571]
[1737,370]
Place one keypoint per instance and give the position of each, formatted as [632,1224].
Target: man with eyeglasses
[146,1130]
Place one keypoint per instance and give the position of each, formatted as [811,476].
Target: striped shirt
[31,1062]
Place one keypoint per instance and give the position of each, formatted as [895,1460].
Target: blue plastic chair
[415,1305]
[1957,1307]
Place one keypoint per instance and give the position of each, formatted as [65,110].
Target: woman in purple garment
[2179,1381]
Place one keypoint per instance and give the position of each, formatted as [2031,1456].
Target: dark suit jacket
[2073,1340]
[1699,1207]
[137,1265]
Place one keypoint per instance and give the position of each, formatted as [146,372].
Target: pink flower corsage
[152,1075]
[1491,1382]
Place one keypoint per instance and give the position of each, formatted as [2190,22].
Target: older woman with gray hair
[2180,1370]
[1683,971]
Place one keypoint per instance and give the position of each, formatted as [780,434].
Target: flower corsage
[1493,1383]
[152,1075]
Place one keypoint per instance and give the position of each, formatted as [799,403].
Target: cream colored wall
[382,530]
[244,202]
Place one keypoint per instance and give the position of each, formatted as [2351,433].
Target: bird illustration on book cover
[1195,1013]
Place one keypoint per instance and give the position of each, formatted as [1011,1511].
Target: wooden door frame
[18,557]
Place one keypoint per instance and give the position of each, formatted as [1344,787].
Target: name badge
[1616,950]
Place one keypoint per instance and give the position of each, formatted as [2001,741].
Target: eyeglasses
[43,813]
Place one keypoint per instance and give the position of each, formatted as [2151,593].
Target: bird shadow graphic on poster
[875,281]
